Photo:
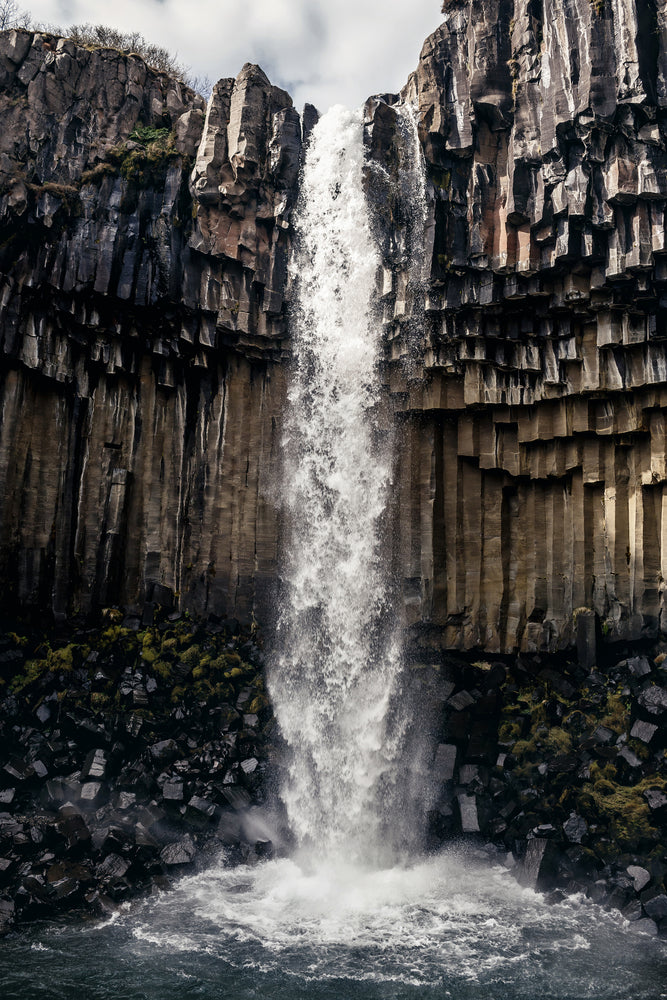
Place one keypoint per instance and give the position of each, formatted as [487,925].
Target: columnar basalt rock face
[532,466]
[143,265]
[143,252]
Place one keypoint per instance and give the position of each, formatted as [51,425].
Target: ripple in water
[448,926]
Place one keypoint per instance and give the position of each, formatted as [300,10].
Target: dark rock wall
[143,258]
[533,464]
[143,249]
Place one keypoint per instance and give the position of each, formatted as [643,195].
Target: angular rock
[173,791]
[539,864]
[236,797]
[654,699]
[113,867]
[444,764]
[656,907]
[469,815]
[640,877]
[181,852]
[644,731]
[95,766]
[639,666]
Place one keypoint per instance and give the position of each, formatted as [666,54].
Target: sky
[322,51]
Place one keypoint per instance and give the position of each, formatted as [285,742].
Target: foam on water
[454,920]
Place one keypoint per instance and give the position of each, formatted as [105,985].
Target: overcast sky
[340,51]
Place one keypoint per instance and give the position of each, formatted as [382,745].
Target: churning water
[345,918]
[448,927]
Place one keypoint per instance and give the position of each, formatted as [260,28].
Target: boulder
[640,877]
[181,852]
[539,864]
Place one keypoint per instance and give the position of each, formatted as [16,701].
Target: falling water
[337,682]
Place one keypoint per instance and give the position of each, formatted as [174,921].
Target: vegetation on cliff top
[102,36]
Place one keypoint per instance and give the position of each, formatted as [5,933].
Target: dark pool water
[449,926]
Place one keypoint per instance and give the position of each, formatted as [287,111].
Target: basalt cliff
[144,238]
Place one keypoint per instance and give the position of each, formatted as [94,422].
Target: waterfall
[337,680]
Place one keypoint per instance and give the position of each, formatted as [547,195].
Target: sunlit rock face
[533,461]
[143,325]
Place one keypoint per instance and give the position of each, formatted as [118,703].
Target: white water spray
[337,681]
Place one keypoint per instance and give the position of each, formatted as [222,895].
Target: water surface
[449,926]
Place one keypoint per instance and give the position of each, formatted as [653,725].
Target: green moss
[625,811]
[191,656]
[523,747]
[162,669]
[146,135]
[203,690]
[558,740]
[509,732]
[616,714]
[34,669]
[61,660]
[97,173]
[147,164]
[257,704]
[177,694]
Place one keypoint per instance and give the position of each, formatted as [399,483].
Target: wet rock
[633,911]
[469,815]
[654,700]
[73,829]
[656,906]
[18,769]
[640,877]
[461,701]
[200,809]
[629,758]
[238,798]
[92,793]
[181,852]
[586,639]
[597,892]
[644,731]
[602,735]
[7,911]
[539,864]
[164,752]
[173,790]
[644,926]
[113,867]
[229,828]
[444,764]
[656,800]
[43,712]
[639,666]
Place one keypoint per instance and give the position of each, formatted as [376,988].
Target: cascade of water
[337,679]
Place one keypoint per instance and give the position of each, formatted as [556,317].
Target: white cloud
[324,53]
